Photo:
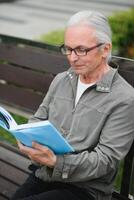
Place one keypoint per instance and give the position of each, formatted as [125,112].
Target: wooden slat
[126,177]
[41,60]
[13,170]
[127,172]
[14,159]
[118,196]
[7,188]
[21,41]
[12,173]
[2,197]
[24,99]
[124,64]
[26,78]
[128,75]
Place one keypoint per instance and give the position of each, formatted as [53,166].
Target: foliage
[122,25]
[55,37]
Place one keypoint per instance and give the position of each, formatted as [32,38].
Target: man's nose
[73,56]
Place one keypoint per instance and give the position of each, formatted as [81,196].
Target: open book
[42,132]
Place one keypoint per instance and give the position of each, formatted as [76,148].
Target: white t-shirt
[81,87]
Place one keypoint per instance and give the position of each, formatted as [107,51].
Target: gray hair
[96,20]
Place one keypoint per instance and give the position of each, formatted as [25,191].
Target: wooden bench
[26,71]
[13,170]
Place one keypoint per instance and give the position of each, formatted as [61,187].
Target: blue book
[42,132]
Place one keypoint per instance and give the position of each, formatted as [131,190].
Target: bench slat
[14,159]
[7,188]
[25,78]
[2,197]
[127,171]
[128,75]
[12,173]
[13,170]
[28,57]
[20,97]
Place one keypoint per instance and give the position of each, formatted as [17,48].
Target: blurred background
[44,20]
[32,18]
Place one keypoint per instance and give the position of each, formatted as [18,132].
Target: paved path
[31,18]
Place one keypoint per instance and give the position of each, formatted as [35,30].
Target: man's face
[83,37]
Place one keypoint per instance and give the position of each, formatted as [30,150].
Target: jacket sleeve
[42,111]
[115,140]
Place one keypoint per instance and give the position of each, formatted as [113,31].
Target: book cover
[42,132]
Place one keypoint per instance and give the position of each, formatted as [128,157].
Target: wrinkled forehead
[80,34]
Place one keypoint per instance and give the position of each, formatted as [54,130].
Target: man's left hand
[39,154]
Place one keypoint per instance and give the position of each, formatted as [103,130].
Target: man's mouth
[78,66]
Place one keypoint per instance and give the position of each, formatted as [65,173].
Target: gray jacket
[100,128]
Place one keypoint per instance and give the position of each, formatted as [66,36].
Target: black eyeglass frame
[86,50]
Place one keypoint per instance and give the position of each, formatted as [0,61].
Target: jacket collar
[104,85]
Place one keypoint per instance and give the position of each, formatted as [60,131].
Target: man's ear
[107,48]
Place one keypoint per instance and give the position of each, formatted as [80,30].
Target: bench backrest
[28,67]
[126,69]
[26,71]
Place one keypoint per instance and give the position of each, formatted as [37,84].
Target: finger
[24,149]
[30,157]
[20,145]
[40,147]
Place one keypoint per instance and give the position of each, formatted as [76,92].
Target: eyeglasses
[79,51]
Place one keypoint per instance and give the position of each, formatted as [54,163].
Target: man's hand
[39,154]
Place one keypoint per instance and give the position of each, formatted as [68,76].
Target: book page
[30,125]
[6,120]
